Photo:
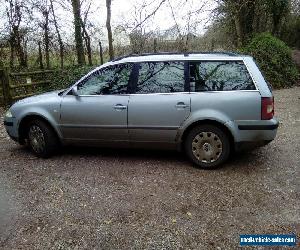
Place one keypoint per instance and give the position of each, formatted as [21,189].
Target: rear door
[161,102]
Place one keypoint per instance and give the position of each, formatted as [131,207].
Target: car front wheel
[42,140]
[207,146]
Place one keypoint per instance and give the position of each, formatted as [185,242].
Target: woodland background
[35,35]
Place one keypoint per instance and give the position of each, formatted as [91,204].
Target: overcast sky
[124,11]
[128,12]
[163,19]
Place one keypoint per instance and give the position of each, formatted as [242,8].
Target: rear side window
[268,84]
[220,76]
[160,77]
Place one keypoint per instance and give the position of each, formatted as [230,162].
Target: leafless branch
[150,15]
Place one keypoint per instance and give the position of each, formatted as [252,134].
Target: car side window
[108,81]
[220,76]
[160,77]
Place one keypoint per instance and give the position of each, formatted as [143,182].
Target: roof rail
[125,56]
[228,53]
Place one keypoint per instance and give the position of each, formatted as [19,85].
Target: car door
[160,103]
[99,112]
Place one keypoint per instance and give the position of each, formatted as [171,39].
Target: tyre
[207,146]
[42,139]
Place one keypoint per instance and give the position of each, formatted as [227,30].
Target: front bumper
[10,125]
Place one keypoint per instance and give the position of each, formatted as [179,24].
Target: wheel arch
[218,124]
[22,128]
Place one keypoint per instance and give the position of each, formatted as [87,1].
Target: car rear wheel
[42,139]
[207,146]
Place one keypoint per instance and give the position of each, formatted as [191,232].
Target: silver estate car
[205,104]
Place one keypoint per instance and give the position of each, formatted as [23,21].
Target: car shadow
[151,154]
[241,160]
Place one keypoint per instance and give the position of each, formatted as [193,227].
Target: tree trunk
[61,53]
[248,14]
[12,53]
[109,32]
[87,40]
[46,38]
[19,48]
[243,16]
[278,10]
[78,36]
[61,44]
[239,29]
[40,58]
[155,45]
[25,52]
[276,23]
[101,53]
[212,44]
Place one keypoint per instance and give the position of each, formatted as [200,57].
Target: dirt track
[124,199]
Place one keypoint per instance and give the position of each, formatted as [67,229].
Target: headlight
[8,114]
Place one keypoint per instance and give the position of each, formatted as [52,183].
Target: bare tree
[109,32]
[42,20]
[142,13]
[61,44]
[85,34]
[45,13]
[149,15]
[14,15]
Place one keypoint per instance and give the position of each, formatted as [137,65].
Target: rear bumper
[241,146]
[252,132]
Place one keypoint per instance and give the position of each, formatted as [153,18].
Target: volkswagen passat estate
[205,104]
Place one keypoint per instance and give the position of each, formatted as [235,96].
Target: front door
[161,102]
[99,112]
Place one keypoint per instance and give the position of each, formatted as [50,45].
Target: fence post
[155,45]
[1,85]
[5,86]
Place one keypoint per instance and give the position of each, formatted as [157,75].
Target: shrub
[64,78]
[274,59]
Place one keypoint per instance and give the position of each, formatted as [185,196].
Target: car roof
[165,56]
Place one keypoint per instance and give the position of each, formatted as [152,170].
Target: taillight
[267,108]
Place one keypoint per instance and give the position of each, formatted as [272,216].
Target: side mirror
[74,91]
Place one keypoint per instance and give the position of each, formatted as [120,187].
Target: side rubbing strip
[10,124]
[258,127]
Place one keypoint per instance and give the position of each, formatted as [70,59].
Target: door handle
[120,107]
[181,105]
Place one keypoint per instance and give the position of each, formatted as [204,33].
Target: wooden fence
[15,86]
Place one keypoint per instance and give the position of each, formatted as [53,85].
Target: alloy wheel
[36,139]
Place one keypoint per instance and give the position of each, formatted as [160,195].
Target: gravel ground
[121,199]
